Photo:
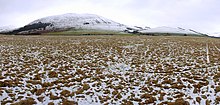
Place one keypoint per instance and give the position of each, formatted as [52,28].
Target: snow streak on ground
[97,70]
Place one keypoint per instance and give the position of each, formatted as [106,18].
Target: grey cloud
[202,15]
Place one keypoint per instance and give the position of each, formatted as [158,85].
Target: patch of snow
[207,53]
[119,66]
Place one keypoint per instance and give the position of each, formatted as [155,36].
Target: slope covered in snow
[170,30]
[6,28]
[71,21]
[87,21]
[216,34]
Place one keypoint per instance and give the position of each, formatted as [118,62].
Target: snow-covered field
[97,70]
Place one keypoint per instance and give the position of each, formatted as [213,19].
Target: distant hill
[6,28]
[87,24]
[215,34]
[171,31]
[68,22]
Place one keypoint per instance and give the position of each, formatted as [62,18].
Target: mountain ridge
[171,30]
[69,21]
[74,22]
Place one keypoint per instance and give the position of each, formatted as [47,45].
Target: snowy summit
[216,34]
[170,30]
[87,21]
[74,22]
[6,28]
[70,21]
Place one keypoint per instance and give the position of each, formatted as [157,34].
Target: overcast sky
[200,15]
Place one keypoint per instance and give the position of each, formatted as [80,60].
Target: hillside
[6,28]
[91,24]
[68,22]
[170,31]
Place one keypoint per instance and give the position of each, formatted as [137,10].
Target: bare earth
[97,70]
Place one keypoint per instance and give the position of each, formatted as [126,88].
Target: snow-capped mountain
[7,28]
[216,34]
[70,21]
[73,22]
[170,30]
